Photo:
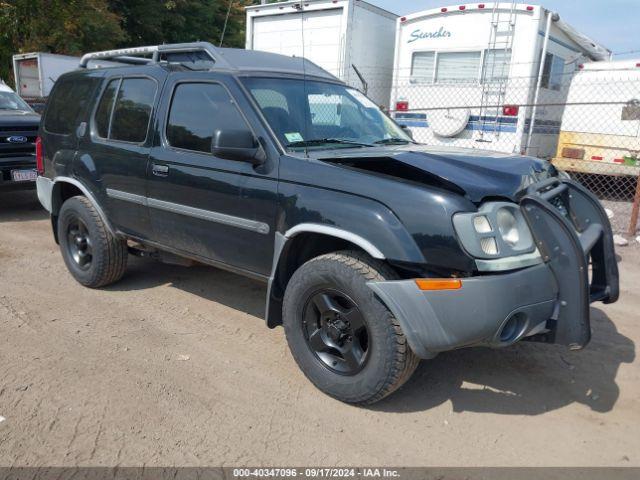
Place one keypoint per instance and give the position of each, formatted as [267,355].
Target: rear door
[219,209]
[323,36]
[119,146]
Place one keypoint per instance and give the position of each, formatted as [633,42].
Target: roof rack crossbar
[140,55]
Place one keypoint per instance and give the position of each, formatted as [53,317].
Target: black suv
[377,251]
[18,131]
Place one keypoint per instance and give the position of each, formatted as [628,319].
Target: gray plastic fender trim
[363,243]
[85,191]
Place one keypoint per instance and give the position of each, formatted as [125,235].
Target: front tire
[94,256]
[342,336]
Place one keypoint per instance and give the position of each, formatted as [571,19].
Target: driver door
[208,207]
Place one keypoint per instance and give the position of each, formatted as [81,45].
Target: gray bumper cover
[436,321]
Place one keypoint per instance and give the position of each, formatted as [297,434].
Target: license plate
[24,175]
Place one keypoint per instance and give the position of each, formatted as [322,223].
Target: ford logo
[17,139]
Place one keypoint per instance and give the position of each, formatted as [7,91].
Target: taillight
[510,110]
[39,158]
[575,153]
[402,106]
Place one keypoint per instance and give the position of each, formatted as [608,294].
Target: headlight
[508,226]
[497,230]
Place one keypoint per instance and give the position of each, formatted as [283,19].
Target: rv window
[496,65]
[458,66]
[422,65]
[552,72]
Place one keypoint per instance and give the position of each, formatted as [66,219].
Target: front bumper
[547,302]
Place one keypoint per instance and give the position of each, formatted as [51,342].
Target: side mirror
[240,145]
[407,130]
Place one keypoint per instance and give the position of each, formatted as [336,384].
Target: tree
[149,22]
[75,27]
[67,27]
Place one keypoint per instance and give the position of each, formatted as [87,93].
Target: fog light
[481,224]
[489,245]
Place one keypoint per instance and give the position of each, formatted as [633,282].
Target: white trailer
[337,35]
[600,130]
[471,75]
[35,73]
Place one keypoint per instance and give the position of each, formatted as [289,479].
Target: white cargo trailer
[337,35]
[35,73]
[470,75]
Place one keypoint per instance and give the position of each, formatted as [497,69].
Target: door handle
[160,170]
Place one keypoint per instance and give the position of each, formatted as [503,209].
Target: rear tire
[94,256]
[342,336]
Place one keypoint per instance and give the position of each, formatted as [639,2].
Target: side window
[132,110]
[496,65]
[103,113]
[457,66]
[422,67]
[67,103]
[553,71]
[197,111]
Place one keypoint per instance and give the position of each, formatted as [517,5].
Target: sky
[613,23]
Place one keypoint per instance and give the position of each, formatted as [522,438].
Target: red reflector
[443,9]
[638,65]
[461,7]
[596,157]
[481,5]
[529,8]
[403,19]
[619,160]
[39,159]
[510,110]
[402,106]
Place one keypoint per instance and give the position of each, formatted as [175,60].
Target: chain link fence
[587,123]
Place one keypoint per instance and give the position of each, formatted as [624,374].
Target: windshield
[317,115]
[11,101]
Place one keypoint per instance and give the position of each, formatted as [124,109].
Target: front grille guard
[572,231]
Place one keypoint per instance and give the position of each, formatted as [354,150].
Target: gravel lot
[174,366]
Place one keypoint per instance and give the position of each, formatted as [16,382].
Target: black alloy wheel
[336,332]
[79,244]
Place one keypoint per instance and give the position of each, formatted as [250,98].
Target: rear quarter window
[124,110]
[68,103]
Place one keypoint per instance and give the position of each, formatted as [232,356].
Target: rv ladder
[495,71]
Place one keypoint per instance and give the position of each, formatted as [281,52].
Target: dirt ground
[174,366]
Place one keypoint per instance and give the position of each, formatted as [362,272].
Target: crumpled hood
[479,173]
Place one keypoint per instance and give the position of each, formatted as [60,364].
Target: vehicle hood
[477,174]
[17,118]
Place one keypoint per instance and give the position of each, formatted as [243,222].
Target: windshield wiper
[323,141]
[392,140]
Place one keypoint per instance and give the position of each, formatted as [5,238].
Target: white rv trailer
[469,75]
[600,130]
[337,35]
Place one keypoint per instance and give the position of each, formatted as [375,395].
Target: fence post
[633,223]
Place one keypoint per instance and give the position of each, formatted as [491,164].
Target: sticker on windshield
[293,137]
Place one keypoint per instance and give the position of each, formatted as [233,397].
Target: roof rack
[151,54]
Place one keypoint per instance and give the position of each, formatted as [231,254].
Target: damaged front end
[574,237]
[570,263]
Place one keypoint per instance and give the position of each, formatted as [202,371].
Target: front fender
[363,221]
